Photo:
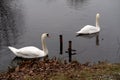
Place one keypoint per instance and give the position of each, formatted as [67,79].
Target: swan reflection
[90,36]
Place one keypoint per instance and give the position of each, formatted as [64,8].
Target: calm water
[23,21]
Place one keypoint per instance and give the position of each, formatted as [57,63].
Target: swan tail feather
[14,50]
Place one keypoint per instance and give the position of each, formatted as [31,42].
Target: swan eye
[47,35]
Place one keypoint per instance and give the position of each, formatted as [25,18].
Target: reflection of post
[97,39]
[70,51]
[61,44]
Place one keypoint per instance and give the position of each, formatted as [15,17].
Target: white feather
[89,29]
[31,51]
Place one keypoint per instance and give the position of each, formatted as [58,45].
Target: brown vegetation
[53,69]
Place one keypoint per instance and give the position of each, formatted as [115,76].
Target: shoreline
[53,69]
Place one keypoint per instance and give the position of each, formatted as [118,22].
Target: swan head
[97,15]
[44,35]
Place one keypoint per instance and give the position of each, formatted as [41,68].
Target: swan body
[89,29]
[31,51]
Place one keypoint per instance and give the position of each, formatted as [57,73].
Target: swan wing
[30,52]
[88,29]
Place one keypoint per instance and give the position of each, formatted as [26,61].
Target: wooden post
[61,44]
[70,51]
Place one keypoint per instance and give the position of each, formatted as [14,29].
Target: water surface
[23,21]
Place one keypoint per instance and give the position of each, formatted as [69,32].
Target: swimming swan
[31,51]
[88,29]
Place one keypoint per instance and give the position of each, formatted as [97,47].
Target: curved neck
[44,45]
[97,21]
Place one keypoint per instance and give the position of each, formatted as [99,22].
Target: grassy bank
[52,69]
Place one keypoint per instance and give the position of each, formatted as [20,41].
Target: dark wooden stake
[70,51]
[61,44]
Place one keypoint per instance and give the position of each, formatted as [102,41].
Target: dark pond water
[23,21]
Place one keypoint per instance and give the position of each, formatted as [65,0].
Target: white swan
[89,29]
[31,51]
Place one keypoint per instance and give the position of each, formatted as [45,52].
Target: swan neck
[97,21]
[44,45]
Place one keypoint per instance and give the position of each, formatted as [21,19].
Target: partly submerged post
[61,44]
[70,51]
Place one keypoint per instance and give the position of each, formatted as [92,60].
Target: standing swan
[31,51]
[88,29]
